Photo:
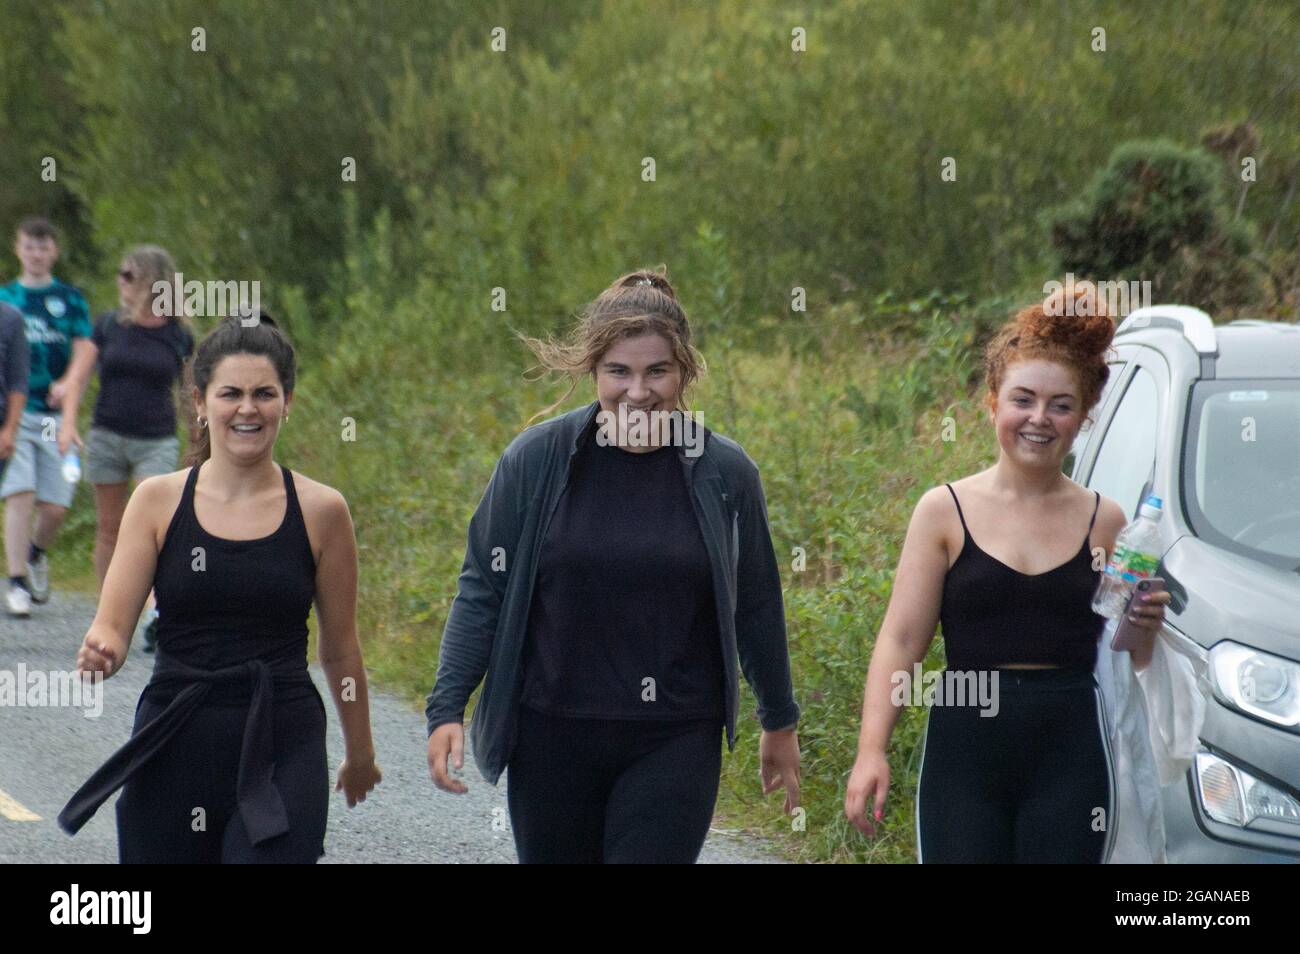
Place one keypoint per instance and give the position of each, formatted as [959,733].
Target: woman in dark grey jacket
[618,563]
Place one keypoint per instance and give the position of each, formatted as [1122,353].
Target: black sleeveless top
[232,631]
[993,615]
[225,602]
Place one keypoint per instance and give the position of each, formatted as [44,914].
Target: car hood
[1216,594]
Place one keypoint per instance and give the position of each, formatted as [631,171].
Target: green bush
[522,169]
[1157,213]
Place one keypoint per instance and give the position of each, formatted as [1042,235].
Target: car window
[1128,449]
[1244,467]
[1086,434]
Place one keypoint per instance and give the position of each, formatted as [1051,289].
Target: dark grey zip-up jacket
[488,621]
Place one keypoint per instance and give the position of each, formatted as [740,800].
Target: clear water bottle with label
[72,467]
[1136,556]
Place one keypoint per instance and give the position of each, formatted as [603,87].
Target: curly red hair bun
[1076,334]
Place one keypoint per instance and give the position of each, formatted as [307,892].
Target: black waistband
[1071,677]
[260,805]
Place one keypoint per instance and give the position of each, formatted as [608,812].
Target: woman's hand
[869,781]
[778,754]
[356,779]
[447,740]
[1146,612]
[100,654]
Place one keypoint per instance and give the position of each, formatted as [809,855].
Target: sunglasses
[126,275]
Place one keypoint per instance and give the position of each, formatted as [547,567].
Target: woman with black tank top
[140,355]
[1007,560]
[227,759]
[606,608]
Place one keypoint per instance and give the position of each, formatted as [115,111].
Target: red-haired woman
[1008,560]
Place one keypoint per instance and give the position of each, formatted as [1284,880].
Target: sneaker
[148,630]
[38,578]
[19,600]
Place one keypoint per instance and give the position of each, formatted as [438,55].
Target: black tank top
[993,615]
[225,602]
[232,632]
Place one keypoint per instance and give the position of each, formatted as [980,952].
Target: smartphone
[1127,634]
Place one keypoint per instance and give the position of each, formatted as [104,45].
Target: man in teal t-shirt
[58,336]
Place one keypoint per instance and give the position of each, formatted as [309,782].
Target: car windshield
[1242,469]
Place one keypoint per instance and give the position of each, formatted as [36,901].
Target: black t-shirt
[623,623]
[137,367]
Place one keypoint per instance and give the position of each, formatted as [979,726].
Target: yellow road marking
[15,810]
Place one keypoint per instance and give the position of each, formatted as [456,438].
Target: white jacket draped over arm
[1153,723]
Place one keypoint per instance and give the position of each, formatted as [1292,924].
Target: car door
[1122,464]
[1079,459]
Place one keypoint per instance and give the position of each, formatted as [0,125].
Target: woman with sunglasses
[141,357]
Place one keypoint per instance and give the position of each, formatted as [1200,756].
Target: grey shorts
[36,463]
[113,458]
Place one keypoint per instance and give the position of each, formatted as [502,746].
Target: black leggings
[1030,784]
[614,792]
[198,768]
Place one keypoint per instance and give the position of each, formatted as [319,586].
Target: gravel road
[47,752]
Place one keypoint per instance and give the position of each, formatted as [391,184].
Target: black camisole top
[224,602]
[992,615]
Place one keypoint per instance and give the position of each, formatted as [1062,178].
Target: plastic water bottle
[1136,556]
[72,467]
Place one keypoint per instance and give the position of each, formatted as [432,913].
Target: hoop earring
[201,420]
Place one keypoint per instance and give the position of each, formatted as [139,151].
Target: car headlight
[1258,683]
[1235,797]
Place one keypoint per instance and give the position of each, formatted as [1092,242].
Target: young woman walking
[141,357]
[227,759]
[611,578]
[1007,561]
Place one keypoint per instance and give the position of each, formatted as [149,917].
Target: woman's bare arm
[127,582]
[336,618]
[911,618]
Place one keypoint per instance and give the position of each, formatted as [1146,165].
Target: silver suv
[1208,418]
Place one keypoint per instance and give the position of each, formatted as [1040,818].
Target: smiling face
[1037,414]
[640,372]
[244,405]
[37,255]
